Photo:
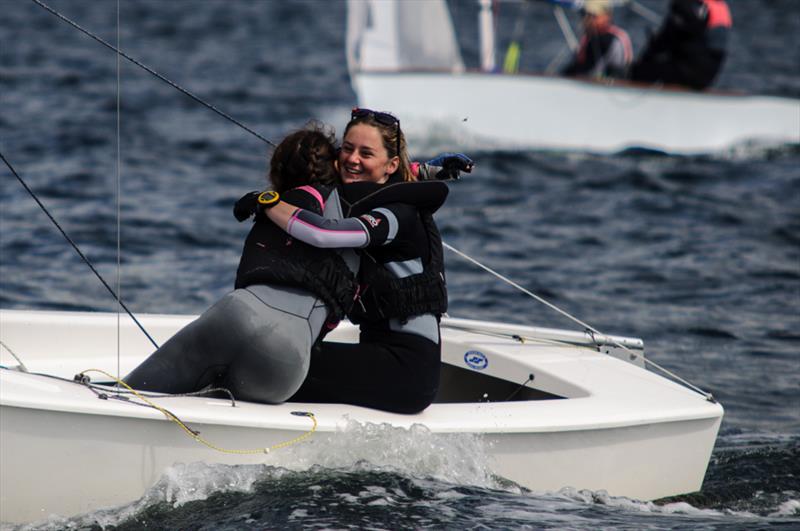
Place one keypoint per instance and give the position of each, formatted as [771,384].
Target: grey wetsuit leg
[254,341]
[275,353]
[194,357]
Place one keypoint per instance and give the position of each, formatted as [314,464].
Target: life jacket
[383,295]
[611,31]
[718,24]
[623,37]
[719,15]
[270,256]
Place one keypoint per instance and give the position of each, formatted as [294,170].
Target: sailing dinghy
[555,408]
[404,57]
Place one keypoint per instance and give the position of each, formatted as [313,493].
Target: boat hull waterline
[589,420]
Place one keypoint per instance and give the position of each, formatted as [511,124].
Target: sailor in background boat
[690,47]
[395,366]
[605,50]
[256,340]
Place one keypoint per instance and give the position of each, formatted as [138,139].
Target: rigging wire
[647,14]
[597,336]
[75,246]
[119,53]
[523,290]
[563,24]
[151,71]
[119,201]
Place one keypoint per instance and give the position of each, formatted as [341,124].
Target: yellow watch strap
[269,198]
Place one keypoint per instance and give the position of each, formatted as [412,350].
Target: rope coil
[82,378]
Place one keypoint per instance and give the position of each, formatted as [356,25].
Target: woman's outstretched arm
[318,231]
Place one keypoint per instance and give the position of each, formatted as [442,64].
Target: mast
[486,25]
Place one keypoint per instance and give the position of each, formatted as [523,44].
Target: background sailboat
[404,56]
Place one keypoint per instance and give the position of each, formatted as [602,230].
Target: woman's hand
[268,203]
[246,206]
[447,166]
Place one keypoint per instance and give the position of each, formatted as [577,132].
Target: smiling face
[363,156]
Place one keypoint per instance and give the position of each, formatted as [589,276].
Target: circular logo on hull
[476,360]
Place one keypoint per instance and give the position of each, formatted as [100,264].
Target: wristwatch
[268,199]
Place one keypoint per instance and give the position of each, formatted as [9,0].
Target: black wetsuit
[690,47]
[607,53]
[396,364]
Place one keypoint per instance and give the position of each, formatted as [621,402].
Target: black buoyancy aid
[270,256]
[384,295]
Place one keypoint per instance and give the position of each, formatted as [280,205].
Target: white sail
[397,35]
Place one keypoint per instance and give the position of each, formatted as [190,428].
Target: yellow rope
[196,436]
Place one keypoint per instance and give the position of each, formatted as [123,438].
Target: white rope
[551,67]
[566,29]
[587,327]
[22,366]
[645,13]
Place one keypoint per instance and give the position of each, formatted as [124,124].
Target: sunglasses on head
[383,118]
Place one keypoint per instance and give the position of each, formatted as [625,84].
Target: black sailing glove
[246,206]
[447,166]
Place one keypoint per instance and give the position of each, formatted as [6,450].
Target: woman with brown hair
[256,340]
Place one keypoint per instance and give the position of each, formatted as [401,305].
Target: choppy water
[698,256]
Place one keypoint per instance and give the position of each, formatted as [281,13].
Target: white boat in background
[404,57]
[556,408]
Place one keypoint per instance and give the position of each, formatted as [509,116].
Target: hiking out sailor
[395,365]
[605,49]
[256,340]
[690,47]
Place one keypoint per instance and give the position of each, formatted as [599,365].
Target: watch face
[268,198]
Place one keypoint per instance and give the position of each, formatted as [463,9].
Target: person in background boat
[395,365]
[256,341]
[605,50]
[689,48]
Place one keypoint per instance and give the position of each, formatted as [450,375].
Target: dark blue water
[698,256]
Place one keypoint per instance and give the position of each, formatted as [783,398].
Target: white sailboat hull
[600,422]
[553,113]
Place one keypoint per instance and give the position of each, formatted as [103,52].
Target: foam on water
[788,508]
[452,458]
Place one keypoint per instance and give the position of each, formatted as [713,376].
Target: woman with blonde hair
[395,365]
